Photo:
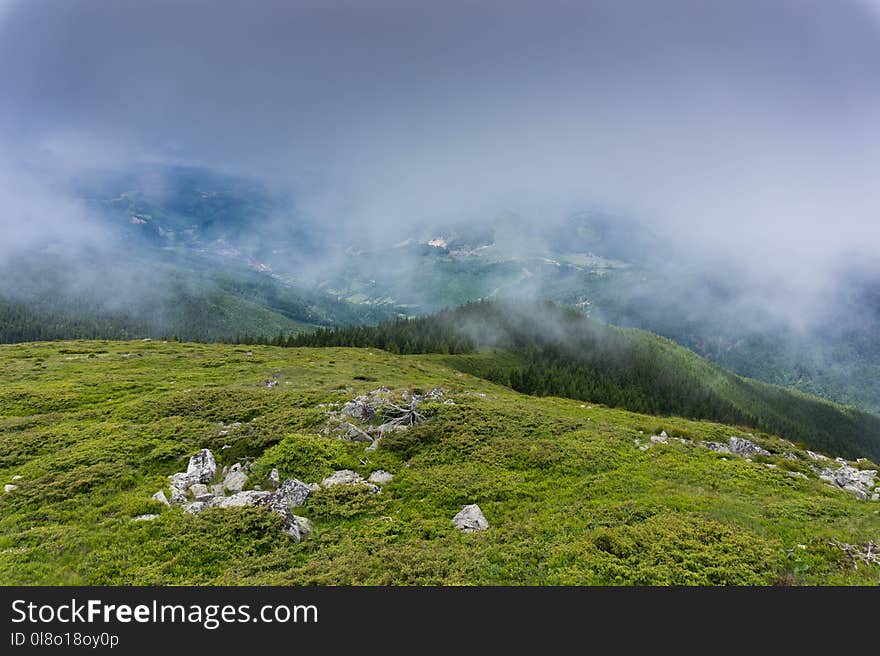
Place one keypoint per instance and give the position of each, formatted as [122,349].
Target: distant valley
[211,257]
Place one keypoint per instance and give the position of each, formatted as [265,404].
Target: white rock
[17,477]
[9,487]
[274,478]
[198,490]
[145,518]
[816,456]
[658,439]
[470,519]
[161,498]
[381,477]
[717,447]
[202,467]
[235,480]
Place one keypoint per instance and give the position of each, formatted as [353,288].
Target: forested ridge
[547,350]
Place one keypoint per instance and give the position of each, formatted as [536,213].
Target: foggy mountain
[545,292]
[704,171]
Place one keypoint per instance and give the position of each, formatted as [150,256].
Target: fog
[747,134]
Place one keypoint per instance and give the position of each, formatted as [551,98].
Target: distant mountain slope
[547,350]
[207,316]
[161,295]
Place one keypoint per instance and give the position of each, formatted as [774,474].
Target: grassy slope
[820,424]
[94,431]
[548,350]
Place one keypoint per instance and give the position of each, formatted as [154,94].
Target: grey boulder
[470,519]
[293,492]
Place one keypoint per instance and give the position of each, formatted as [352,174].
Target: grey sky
[750,129]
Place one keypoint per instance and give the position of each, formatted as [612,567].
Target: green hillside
[545,349]
[574,492]
[206,315]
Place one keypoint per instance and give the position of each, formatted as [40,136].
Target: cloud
[36,217]
[749,133]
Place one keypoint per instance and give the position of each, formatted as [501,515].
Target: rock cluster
[746,448]
[862,483]
[190,490]
[855,481]
[662,438]
[201,471]
[738,446]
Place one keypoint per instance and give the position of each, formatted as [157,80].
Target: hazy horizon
[747,134]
